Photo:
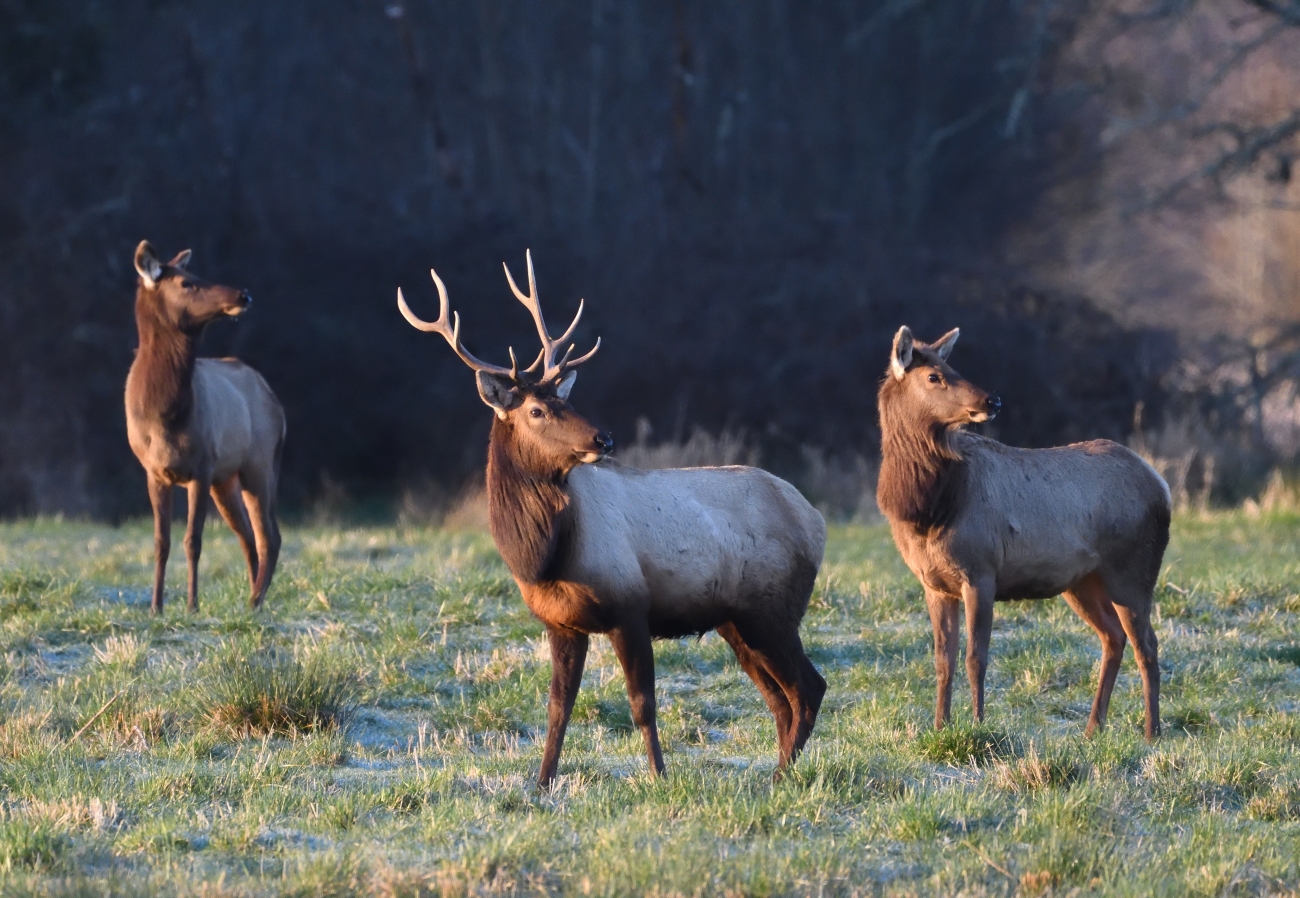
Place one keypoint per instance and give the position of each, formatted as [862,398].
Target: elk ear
[565,386]
[147,265]
[182,259]
[943,346]
[901,356]
[499,392]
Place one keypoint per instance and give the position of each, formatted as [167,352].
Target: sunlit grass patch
[125,651]
[253,690]
[31,844]
[961,744]
[429,786]
[1037,770]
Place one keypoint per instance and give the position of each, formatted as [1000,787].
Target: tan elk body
[205,424]
[598,548]
[978,522]
[689,548]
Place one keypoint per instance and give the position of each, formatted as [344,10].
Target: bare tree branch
[1251,143]
[1286,10]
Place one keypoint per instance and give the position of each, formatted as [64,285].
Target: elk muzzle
[602,444]
[240,305]
[992,405]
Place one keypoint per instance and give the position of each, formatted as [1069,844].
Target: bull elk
[205,424]
[599,548]
[980,522]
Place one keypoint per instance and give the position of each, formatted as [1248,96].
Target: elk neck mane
[163,372]
[528,508]
[922,474]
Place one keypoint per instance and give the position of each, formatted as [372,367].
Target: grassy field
[375,730]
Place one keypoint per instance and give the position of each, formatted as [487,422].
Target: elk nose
[604,442]
[245,298]
[994,404]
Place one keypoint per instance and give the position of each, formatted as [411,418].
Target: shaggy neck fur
[164,365]
[527,507]
[921,472]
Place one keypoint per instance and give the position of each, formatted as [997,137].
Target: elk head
[532,403]
[179,297]
[933,387]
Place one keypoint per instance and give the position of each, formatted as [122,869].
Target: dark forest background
[751,196]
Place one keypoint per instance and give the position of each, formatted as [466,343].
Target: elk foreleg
[944,617]
[198,495]
[568,657]
[1137,624]
[978,599]
[1091,602]
[160,497]
[636,653]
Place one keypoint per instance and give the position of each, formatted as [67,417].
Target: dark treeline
[750,196]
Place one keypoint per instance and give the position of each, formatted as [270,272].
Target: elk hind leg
[1092,602]
[944,619]
[160,497]
[1137,624]
[259,497]
[780,652]
[198,495]
[636,654]
[775,699]
[231,505]
[568,657]
[978,599]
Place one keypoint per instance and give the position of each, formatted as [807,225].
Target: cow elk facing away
[599,548]
[205,424]
[979,522]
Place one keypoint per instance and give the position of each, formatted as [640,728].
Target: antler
[546,358]
[452,334]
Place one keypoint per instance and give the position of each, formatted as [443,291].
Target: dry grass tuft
[265,691]
[1035,773]
[126,652]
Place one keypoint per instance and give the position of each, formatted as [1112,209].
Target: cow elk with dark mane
[205,424]
[979,522]
[599,548]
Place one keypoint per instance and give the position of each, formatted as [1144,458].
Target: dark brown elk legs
[636,653]
[979,630]
[198,493]
[231,505]
[1091,601]
[1146,649]
[781,657]
[160,497]
[261,509]
[568,657]
[810,687]
[776,701]
[944,619]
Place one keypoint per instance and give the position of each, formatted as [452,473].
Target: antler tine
[568,366]
[545,361]
[450,334]
[537,362]
[573,325]
[437,327]
[530,301]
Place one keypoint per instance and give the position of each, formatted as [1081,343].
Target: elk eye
[935,378]
[535,412]
[188,285]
